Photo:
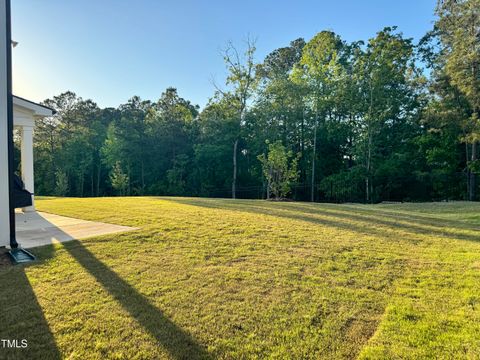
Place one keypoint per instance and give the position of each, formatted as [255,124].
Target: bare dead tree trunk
[234,180]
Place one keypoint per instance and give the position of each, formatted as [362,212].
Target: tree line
[323,119]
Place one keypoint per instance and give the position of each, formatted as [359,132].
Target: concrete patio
[38,228]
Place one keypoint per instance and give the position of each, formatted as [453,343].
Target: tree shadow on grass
[369,222]
[178,343]
[410,223]
[387,216]
[21,314]
[21,317]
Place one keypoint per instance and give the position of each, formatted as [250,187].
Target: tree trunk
[53,164]
[467,157]
[268,189]
[312,192]
[98,178]
[82,181]
[472,195]
[143,177]
[369,150]
[369,159]
[350,144]
[234,180]
[129,188]
[302,147]
[92,181]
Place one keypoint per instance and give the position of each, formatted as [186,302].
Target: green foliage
[119,179]
[345,186]
[177,175]
[61,183]
[458,28]
[474,166]
[457,70]
[279,168]
[365,117]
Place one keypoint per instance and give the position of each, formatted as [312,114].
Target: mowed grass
[206,278]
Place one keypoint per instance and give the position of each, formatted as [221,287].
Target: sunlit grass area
[206,278]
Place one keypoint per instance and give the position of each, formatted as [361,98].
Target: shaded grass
[22,318]
[253,279]
[175,341]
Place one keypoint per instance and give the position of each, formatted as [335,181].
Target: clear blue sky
[110,50]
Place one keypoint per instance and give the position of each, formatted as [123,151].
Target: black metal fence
[425,187]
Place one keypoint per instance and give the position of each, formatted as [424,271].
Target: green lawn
[227,279]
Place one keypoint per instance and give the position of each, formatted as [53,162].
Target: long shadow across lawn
[369,223]
[21,317]
[21,313]
[420,218]
[178,343]
[415,224]
[387,215]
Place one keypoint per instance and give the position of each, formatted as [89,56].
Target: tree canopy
[371,120]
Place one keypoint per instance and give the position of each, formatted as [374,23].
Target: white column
[4,191]
[27,161]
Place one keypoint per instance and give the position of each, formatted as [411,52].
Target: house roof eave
[38,109]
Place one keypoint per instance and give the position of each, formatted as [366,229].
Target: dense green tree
[384,72]
[458,29]
[218,130]
[279,168]
[381,120]
[319,70]
[171,130]
[119,179]
[68,143]
[241,81]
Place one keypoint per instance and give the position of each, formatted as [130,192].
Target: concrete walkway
[38,228]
